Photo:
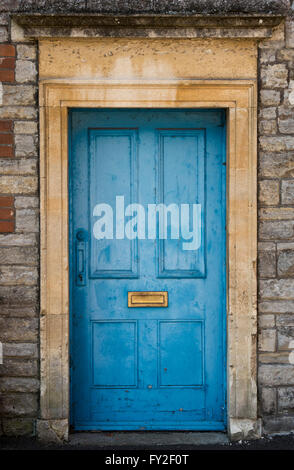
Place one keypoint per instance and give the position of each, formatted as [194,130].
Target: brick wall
[19,234]
[19,227]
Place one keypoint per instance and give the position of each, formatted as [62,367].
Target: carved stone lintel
[169,26]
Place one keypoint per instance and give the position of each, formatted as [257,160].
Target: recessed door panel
[114,359]
[180,354]
[181,189]
[112,163]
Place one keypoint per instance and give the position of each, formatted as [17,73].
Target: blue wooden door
[147,367]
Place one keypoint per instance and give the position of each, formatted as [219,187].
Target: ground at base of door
[158,441]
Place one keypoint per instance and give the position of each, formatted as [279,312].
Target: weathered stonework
[19,224]
[276,224]
[19,251]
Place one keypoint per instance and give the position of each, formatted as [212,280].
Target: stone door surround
[239,99]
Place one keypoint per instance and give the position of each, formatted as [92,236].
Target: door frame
[239,98]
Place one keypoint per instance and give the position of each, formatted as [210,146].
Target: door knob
[82,235]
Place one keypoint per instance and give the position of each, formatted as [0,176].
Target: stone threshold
[146,439]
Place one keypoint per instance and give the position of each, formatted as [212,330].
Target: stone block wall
[19,220]
[19,234]
[276,229]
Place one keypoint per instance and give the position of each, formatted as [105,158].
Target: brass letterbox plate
[147,299]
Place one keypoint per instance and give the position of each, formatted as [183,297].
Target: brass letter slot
[147,299]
